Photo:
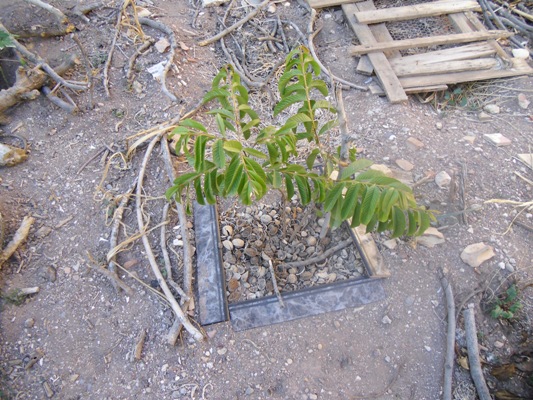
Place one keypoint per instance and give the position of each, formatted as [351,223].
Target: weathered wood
[466,52]
[445,67]
[386,75]
[377,266]
[428,41]
[364,66]
[519,67]
[468,22]
[328,3]
[415,11]
[376,89]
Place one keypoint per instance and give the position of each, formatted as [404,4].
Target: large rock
[475,254]
[431,238]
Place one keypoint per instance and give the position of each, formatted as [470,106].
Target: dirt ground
[82,334]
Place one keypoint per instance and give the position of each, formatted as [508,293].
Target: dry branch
[473,354]
[450,340]
[26,85]
[107,64]
[180,315]
[115,280]
[149,42]
[322,257]
[68,107]
[18,239]
[51,9]
[236,25]
[173,46]
[275,283]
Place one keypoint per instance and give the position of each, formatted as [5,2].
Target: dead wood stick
[51,9]
[27,84]
[450,339]
[149,42]
[473,354]
[80,10]
[88,68]
[35,59]
[197,335]
[236,25]
[115,280]
[282,33]
[322,257]
[20,236]
[70,108]
[107,64]
[139,344]
[113,240]
[166,258]
[170,60]
[275,283]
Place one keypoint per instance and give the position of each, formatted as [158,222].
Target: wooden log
[428,41]
[415,11]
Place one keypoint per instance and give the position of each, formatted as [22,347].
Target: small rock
[313,396]
[469,138]
[227,230]
[387,359]
[222,351]
[404,164]
[483,116]
[497,139]
[238,243]
[438,125]
[29,323]
[266,219]
[213,3]
[501,265]
[228,245]
[415,143]
[51,274]
[442,179]
[498,344]
[43,232]
[184,47]
[390,244]
[337,324]
[162,45]
[427,348]
[392,137]
[522,54]
[292,278]
[272,8]
[492,109]
[475,254]
[523,102]
[386,320]
[233,285]
[137,87]
[381,168]
[311,241]
[251,252]
[431,238]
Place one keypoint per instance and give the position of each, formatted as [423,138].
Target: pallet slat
[428,41]
[415,11]
[316,4]
[445,67]
[386,75]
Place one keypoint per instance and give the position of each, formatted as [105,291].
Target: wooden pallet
[480,58]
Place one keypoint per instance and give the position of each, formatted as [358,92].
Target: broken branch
[473,354]
[322,257]
[18,239]
[450,339]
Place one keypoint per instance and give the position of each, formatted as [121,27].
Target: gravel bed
[283,233]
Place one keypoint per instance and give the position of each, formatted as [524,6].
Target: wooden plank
[328,3]
[376,89]
[468,22]
[466,52]
[445,67]
[519,67]
[415,11]
[428,41]
[364,66]
[384,72]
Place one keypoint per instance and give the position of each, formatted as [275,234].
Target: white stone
[497,139]
[404,164]
[523,102]
[475,254]
[238,243]
[492,109]
[228,245]
[386,320]
[521,54]
[390,244]
[162,45]
[431,238]
[442,179]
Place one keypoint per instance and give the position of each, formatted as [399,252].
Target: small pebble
[29,323]
[387,359]
[238,243]
[289,361]
[427,348]
[386,320]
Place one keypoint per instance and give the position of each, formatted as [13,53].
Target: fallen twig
[473,354]
[313,52]
[68,107]
[35,59]
[139,344]
[107,64]
[173,46]
[322,257]
[57,12]
[235,25]
[115,281]
[275,283]
[18,239]
[450,339]
[282,33]
[149,253]
[149,42]
[113,240]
